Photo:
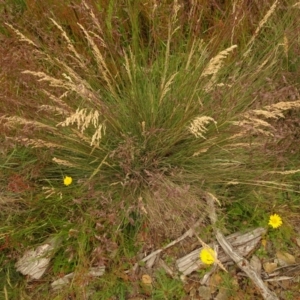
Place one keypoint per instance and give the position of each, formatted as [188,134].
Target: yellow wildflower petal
[68,180]
[275,221]
[207,256]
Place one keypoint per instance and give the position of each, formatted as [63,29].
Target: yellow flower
[207,256]
[68,180]
[275,221]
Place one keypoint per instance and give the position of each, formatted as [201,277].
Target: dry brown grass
[171,208]
[198,126]
[72,82]
[260,25]
[84,112]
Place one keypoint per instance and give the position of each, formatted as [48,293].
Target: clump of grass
[146,117]
[137,115]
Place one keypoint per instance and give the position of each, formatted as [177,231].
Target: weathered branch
[243,243]
[150,259]
[242,263]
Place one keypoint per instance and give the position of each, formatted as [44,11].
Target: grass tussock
[133,112]
[146,106]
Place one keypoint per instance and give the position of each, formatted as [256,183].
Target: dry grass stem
[38,143]
[199,126]
[166,64]
[251,121]
[280,107]
[242,145]
[21,36]
[97,136]
[70,46]
[286,45]
[12,121]
[82,118]
[100,61]
[68,85]
[202,150]
[266,63]
[51,191]
[255,126]
[191,55]
[289,172]
[216,63]
[91,13]
[58,101]
[260,25]
[297,5]
[53,109]
[176,8]
[166,87]
[130,65]
[63,162]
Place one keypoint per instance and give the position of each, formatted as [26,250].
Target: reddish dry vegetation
[19,95]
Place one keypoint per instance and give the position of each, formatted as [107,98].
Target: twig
[242,243]
[217,261]
[188,233]
[242,263]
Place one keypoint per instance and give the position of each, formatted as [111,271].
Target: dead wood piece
[62,282]
[35,262]
[168,270]
[280,278]
[242,243]
[151,258]
[242,263]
